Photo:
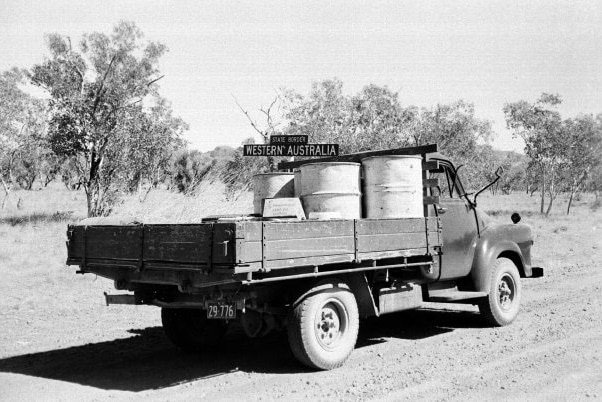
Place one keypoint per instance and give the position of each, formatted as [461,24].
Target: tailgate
[135,244]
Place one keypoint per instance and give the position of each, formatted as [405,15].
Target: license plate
[221,311]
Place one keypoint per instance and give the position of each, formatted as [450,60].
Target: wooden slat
[357,157]
[433,199]
[311,247]
[307,229]
[251,231]
[118,242]
[250,252]
[384,226]
[430,165]
[393,241]
[308,261]
[430,183]
[177,243]
[432,224]
[379,255]
[433,239]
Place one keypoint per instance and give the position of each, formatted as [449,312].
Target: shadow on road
[148,361]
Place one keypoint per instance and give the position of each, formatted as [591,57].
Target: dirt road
[553,351]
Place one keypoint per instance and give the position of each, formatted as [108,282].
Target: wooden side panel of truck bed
[251,246]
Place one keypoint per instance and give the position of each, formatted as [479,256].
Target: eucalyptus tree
[100,93]
[541,127]
[22,125]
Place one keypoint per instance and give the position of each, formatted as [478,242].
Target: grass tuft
[38,217]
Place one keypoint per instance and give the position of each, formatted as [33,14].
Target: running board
[458,297]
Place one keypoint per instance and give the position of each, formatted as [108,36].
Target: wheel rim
[506,291]
[330,324]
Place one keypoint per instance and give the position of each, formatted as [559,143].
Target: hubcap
[330,324]
[506,291]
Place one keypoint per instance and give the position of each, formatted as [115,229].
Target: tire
[323,326]
[502,304]
[190,330]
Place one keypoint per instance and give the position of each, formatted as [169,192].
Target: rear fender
[355,282]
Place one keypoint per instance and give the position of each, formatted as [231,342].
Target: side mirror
[498,174]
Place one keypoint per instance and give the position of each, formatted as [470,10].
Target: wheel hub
[506,292]
[328,327]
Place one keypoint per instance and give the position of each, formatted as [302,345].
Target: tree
[22,124]
[97,94]
[372,119]
[458,132]
[541,127]
[582,151]
[148,139]
[375,119]
[189,168]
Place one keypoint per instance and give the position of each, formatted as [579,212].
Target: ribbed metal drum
[393,187]
[271,185]
[331,187]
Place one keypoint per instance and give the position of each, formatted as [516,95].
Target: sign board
[289,207]
[289,149]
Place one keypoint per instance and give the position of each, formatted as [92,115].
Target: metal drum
[297,173]
[331,187]
[393,187]
[271,185]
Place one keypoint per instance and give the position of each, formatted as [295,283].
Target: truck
[314,279]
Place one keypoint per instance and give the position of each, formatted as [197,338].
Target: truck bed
[247,246]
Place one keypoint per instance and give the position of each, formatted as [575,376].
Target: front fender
[510,241]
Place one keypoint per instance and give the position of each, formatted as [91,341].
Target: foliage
[189,169]
[562,152]
[22,127]
[582,152]
[237,173]
[540,126]
[106,114]
[375,119]
[460,135]
[372,119]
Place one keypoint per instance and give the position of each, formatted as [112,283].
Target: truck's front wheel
[190,330]
[501,306]
[323,326]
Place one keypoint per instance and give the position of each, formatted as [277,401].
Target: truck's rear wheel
[502,304]
[190,330]
[323,326]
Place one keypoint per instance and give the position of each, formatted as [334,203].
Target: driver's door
[459,226]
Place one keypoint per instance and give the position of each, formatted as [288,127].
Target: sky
[485,52]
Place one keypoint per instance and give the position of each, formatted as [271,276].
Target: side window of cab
[446,188]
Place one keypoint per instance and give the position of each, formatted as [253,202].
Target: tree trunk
[6,192]
[90,204]
[568,208]
[551,192]
[543,190]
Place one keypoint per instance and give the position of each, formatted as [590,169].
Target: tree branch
[253,124]
[100,88]
[155,80]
